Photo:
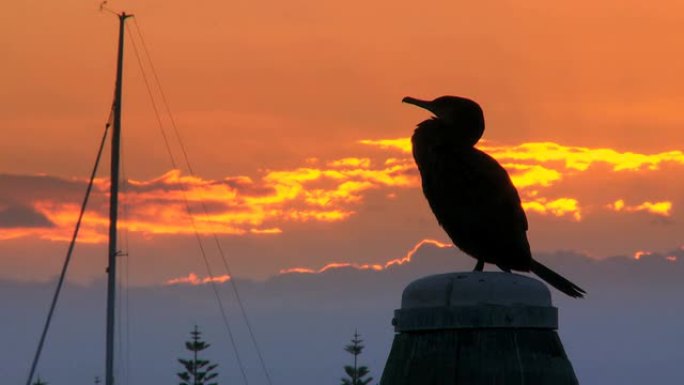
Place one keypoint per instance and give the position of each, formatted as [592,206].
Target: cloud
[239,205]
[401,144]
[194,279]
[320,191]
[23,188]
[558,207]
[430,257]
[272,230]
[672,256]
[581,158]
[22,217]
[535,167]
[663,208]
[576,158]
[376,267]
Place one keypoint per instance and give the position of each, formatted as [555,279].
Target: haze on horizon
[302,321]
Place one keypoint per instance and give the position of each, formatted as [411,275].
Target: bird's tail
[556,280]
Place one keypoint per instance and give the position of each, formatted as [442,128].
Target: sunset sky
[291,115]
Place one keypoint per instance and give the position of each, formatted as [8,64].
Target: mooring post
[477,328]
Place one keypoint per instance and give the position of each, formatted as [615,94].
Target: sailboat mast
[113,207]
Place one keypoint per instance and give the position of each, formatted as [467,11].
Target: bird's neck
[435,132]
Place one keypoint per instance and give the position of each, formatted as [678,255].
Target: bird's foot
[479,266]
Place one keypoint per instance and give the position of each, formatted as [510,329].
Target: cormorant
[471,195]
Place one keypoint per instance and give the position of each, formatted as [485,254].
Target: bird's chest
[451,178]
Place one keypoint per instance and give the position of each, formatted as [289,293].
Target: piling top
[475,300]
[475,288]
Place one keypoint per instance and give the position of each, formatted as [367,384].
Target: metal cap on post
[477,328]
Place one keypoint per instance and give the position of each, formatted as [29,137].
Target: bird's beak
[417,102]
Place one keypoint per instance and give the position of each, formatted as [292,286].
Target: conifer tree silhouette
[197,371]
[355,373]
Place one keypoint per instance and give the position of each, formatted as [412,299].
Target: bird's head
[462,116]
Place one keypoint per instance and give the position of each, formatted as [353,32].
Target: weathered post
[477,328]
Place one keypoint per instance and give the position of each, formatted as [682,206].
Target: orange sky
[283,105]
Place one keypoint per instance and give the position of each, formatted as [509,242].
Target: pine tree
[197,371]
[356,373]
[39,382]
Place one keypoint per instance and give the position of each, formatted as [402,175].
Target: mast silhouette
[114,206]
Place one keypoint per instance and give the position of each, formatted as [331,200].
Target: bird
[471,194]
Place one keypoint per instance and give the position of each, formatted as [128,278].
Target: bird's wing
[475,202]
[493,177]
[468,185]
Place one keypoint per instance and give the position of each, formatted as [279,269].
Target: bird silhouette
[469,192]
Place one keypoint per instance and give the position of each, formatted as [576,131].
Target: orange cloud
[581,158]
[640,253]
[194,279]
[558,207]
[331,266]
[232,206]
[272,230]
[63,217]
[376,267]
[525,175]
[328,191]
[401,144]
[572,157]
[538,165]
[409,256]
[351,163]
[663,208]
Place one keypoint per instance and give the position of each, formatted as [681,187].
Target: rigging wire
[203,205]
[70,250]
[192,220]
[149,92]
